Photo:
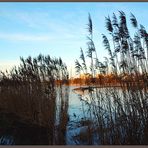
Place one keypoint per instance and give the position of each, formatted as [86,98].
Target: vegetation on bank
[120,115]
[103,80]
[29,91]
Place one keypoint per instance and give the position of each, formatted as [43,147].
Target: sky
[57,28]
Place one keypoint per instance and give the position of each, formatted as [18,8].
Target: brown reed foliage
[120,115]
[30,92]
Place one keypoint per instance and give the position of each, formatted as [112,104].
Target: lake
[79,118]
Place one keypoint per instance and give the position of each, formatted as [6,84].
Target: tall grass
[30,91]
[120,115]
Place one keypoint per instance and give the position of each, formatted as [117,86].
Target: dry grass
[30,91]
[120,115]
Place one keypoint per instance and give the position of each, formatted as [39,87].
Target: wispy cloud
[23,37]
[35,20]
[59,27]
[52,28]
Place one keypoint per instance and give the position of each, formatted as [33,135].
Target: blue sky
[58,29]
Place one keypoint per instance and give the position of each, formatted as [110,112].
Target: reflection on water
[6,140]
[19,133]
[14,132]
[80,103]
[83,90]
[75,105]
[77,110]
[76,114]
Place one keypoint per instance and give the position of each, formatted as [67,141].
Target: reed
[30,91]
[120,114]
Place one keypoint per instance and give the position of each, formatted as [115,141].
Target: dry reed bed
[29,91]
[120,114]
